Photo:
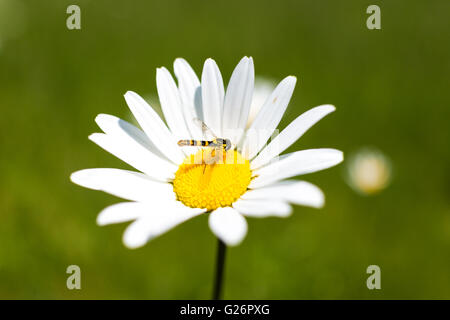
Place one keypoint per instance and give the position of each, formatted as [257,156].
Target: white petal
[133,153]
[121,212]
[124,184]
[228,225]
[212,96]
[157,222]
[296,163]
[137,234]
[188,85]
[291,134]
[263,208]
[119,128]
[171,103]
[238,99]
[268,118]
[154,127]
[262,89]
[296,192]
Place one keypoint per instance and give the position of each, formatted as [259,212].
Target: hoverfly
[218,145]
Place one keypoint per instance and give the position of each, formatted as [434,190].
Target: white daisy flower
[173,186]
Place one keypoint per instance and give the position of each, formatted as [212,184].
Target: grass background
[391,90]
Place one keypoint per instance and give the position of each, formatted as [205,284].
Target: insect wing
[205,129]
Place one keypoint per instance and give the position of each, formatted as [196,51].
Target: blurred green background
[391,90]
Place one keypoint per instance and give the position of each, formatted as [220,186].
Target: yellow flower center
[211,179]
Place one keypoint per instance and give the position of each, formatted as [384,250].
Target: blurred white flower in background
[368,171]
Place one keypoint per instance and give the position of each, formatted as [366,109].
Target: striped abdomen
[195,143]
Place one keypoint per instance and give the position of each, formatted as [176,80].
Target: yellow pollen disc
[211,179]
